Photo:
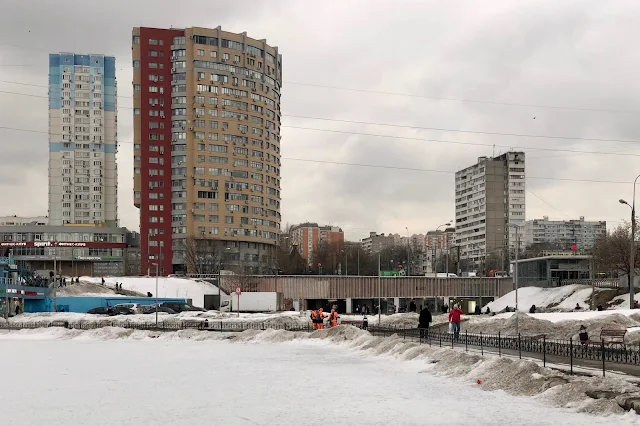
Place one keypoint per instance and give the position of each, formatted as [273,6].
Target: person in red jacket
[454,318]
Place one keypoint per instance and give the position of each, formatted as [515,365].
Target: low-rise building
[75,249]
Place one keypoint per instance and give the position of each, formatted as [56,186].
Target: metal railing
[593,354]
[600,354]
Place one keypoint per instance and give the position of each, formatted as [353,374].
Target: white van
[445,275]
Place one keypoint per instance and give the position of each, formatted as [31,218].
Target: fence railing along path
[624,358]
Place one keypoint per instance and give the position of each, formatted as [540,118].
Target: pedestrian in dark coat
[423,322]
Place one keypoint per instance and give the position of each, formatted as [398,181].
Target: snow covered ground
[272,377]
[167,287]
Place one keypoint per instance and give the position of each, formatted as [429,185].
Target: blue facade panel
[110,67]
[83,304]
[55,82]
[109,148]
[84,60]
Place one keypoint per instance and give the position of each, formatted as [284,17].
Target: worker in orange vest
[314,319]
[321,317]
[333,318]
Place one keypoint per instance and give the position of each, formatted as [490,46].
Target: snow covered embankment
[517,377]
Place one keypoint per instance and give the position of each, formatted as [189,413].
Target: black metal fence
[592,354]
[231,326]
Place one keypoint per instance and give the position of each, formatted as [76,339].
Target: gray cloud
[571,53]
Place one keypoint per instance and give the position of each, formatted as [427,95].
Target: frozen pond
[146,382]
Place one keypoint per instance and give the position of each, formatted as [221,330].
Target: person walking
[314,319]
[454,319]
[423,322]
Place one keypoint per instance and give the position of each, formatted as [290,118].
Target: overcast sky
[577,54]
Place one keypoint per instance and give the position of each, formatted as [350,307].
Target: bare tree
[611,251]
[202,255]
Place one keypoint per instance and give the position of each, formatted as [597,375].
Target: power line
[626,154]
[462,143]
[547,203]
[576,138]
[464,131]
[514,104]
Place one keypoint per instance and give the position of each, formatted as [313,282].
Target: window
[213,218]
[136,39]
[136,87]
[214,54]
[228,219]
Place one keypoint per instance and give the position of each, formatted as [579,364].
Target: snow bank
[516,377]
[543,298]
[167,287]
[87,290]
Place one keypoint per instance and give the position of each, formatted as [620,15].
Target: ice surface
[342,376]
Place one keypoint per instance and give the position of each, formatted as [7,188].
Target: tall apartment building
[564,232]
[206,145]
[307,237]
[490,196]
[83,175]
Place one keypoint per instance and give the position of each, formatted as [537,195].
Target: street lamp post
[515,269]
[379,290]
[632,253]
[157,273]
[433,261]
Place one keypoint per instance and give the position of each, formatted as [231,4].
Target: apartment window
[225,56]
[136,64]
[214,54]
[228,219]
[200,52]
[136,39]
[136,87]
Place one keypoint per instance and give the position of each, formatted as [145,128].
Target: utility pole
[516,272]
[379,290]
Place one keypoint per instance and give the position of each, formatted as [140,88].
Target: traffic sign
[238,291]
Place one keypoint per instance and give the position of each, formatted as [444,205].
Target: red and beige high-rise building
[207,149]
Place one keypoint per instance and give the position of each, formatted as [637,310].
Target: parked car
[120,310]
[135,307]
[101,310]
[151,309]
[181,307]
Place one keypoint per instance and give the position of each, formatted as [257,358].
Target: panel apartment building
[490,196]
[83,174]
[307,237]
[206,146]
[579,232]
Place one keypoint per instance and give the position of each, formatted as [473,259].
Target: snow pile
[87,290]
[561,298]
[167,287]
[517,377]
[555,325]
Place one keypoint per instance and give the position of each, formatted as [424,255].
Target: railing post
[481,347]
[451,341]
[466,341]
[421,330]
[603,362]
[499,345]
[519,346]
[571,355]
[440,334]
[544,350]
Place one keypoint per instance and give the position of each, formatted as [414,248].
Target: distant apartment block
[580,232]
[307,237]
[490,196]
[375,242]
[83,176]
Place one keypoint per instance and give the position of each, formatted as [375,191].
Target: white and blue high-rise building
[83,176]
